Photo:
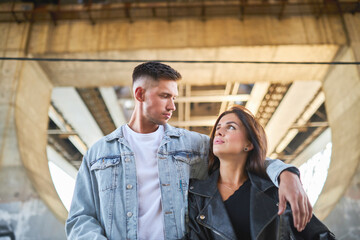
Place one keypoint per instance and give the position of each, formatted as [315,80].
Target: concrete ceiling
[88,74]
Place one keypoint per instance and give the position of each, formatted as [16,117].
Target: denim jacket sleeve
[274,167]
[82,222]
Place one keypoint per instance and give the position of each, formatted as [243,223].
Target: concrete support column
[21,209]
[342,90]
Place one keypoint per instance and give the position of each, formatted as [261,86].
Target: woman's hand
[292,191]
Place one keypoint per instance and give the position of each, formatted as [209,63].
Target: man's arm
[290,190]
[82,222]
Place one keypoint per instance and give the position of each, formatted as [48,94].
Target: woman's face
[230,137]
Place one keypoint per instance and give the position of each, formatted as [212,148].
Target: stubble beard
[157,121]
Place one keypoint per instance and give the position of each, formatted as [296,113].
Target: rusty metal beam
[127,11]
[14,14]
[183,9]
[88,10]
[306,143]
[310,124]
[282,9]
[271,101]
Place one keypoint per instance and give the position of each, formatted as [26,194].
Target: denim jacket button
[202,217]
[129,186]
[191,187]
[129,214]
[127,159]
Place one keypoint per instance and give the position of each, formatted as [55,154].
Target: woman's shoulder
[198,182]
[206,187]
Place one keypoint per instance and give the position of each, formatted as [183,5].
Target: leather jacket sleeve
[315,229]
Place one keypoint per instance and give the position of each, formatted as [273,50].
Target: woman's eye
[231,127]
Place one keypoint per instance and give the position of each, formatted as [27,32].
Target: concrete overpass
[26,87]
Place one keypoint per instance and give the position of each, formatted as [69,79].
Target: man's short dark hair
[156,71]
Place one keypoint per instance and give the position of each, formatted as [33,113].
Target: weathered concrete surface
[21,208]
[32,105]
[86,74]
[344,219]
[23,211]
[342,90]
[82,36]
[256,38]
[342,101]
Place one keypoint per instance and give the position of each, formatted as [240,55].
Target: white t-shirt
[145,148]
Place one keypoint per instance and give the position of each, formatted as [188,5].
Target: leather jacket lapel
[209,217]
[213,208]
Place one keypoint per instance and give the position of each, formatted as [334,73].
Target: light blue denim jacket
[105,202]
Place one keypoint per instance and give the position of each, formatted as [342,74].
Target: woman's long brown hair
[255,134]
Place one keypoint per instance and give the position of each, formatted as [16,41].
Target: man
[133,183]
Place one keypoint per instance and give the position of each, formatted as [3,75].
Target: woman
[238,201]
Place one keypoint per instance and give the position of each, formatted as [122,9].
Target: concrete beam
[31,115]
[343,105]
[256,96]
[195,121]
[291,107]
[257,38]
[342,101]
[24,176]
[90,74]
[74,110]
[82,36]
[219,98]
[110,99]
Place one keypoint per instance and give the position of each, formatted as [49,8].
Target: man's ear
[139,94]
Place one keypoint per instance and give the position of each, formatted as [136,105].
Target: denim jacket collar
[119,133]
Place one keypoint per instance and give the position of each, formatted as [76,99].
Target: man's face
[159,101]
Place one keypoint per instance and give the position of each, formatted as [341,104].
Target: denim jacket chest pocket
[188,164]
[106,170]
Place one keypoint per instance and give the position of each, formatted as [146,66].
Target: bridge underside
[26,87]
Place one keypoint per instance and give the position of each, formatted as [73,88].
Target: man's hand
[291,190]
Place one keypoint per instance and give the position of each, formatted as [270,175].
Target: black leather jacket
[208,218]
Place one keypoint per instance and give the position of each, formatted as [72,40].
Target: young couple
[134,182]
